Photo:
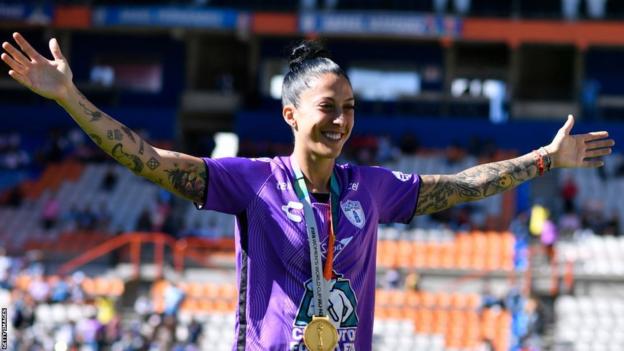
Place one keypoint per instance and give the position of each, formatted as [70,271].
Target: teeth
[332,136]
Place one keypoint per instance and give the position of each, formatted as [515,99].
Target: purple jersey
[273,255]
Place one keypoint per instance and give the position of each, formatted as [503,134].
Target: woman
[306,227]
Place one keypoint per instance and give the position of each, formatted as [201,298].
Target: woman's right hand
[49,78]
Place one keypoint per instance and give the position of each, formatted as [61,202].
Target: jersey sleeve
[232,183]
[394,193]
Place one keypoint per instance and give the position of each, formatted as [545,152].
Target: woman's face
[323,120]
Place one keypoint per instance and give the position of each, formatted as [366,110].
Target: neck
[316,170]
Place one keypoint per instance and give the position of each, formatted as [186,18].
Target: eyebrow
[332,99]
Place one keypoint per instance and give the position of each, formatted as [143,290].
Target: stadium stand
[589,322]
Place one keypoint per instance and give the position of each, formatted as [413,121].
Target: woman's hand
[49,78]
[579,150]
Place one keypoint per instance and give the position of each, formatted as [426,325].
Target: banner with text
[31,14]
[394,24]
[155,16]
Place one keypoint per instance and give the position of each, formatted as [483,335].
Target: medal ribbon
[319,279]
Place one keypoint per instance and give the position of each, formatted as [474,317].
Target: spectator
[103,217]
[50,213]
[143,306]
[144,223]
[569,223]
[392,279]
[568,194]
[87,331]
[549,237]
[5,270]
[612,226]
[39,289]
[15,197]
[60,291]
[86,218]
[109,180]
[173,299]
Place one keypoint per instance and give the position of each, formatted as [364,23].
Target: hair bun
[306,50]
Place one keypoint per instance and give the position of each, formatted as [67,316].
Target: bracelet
[547,158]
[539,161]
[542,160]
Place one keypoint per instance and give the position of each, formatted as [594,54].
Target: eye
[326,106]
[349,107]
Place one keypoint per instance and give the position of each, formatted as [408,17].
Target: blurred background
[95,258]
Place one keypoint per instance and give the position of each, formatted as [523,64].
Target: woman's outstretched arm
[182,174]
[439,192]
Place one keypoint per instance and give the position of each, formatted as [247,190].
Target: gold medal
[320,334]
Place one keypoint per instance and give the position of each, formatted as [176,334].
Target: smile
[334,136]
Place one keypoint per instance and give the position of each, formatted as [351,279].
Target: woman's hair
[307,60]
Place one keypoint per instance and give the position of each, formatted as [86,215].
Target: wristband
[547,158]
[539,162]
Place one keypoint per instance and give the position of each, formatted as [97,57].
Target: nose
[340,118]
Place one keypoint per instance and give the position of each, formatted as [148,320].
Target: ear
[288,112]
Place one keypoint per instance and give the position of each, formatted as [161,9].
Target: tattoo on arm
[189,181]
[129,133]
[133,162]
[443,191]
[152,163]
[141,147]
[114,135]
[94,114]
[96,138]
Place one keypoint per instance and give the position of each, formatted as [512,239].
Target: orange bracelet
[540,162]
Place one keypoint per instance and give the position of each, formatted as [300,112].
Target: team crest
[354,213]
[342,304]
[402,176]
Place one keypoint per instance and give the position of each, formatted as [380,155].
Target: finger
[16,54]
[567,127]
[56,49]
[12,63]
[25,46]
[596,144]
[19,77]
[593,164]
[597,152]
[595,136]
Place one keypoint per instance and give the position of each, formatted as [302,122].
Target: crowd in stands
[13,156]
[50,312]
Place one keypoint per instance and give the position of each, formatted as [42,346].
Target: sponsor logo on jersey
[261,159]
[354,212]
[402,176]
[283,186]
[341,307]
[353,186]
[339,245]
[290,207]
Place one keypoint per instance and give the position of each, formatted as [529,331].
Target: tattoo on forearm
[114,135]
[141,147]
[152,163]
[129,133]
[96,138]
[475,183]
[94,114]
[129,160]
[189,182]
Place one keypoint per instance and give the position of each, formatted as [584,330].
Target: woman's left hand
[579,150]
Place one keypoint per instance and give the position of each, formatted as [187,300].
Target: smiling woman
[304,280]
